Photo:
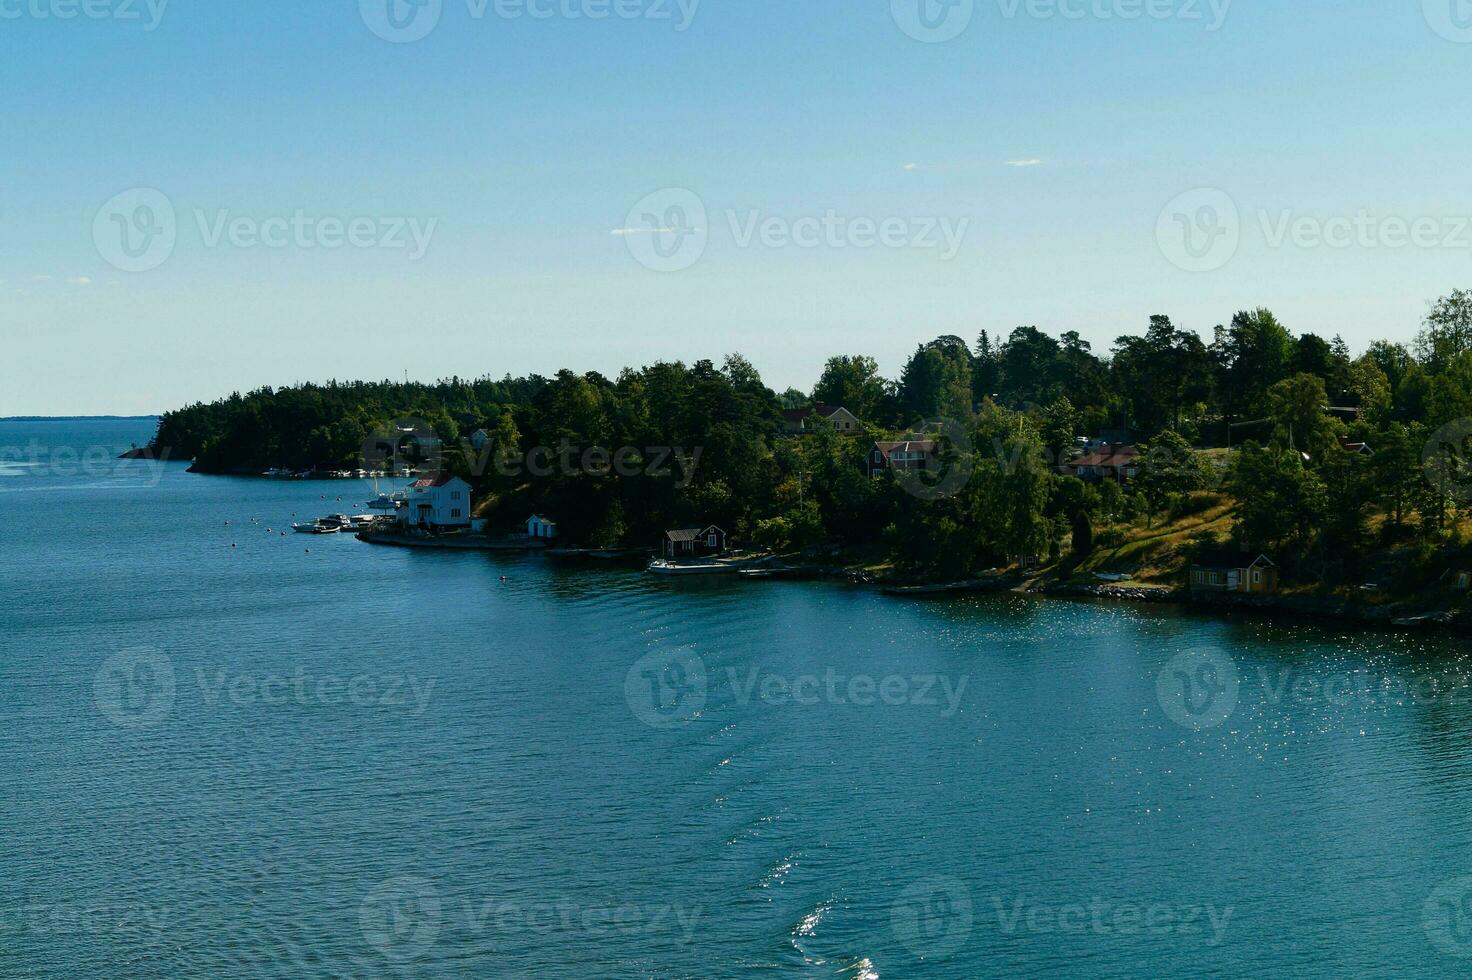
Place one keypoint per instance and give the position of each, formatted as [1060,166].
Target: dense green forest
[704,443]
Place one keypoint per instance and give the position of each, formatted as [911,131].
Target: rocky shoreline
[1392,616]
[147,452]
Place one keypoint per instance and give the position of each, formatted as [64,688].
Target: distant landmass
[76,418]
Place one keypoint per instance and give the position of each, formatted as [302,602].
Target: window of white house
[710,541]
[1256,576]
[454,513]
[454,494]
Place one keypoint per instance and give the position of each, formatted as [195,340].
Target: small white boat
[316,527]
[662,567]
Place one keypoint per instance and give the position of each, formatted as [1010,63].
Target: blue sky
[1048,140]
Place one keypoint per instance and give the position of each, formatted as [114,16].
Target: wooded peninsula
[1347,471]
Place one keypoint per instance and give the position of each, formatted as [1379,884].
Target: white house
[796,421]
[438,503]
[538,526]
[479,438]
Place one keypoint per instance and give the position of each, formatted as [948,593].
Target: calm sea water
[228,752]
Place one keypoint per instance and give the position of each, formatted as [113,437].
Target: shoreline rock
[1392,616]
[1130,593]
[148,452]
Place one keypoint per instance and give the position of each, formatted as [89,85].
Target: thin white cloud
[646,231]
[1032,162]
[80,280]
[912,166]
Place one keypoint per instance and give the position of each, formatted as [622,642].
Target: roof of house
[802,414]
[539,517]
[910,446]
[438,480]
[691,533]
[1227,558]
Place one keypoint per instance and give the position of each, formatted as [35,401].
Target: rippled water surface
[229,752]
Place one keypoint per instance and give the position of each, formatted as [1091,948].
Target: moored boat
[316,527]
[662,567]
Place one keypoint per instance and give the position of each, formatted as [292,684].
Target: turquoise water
[225,752]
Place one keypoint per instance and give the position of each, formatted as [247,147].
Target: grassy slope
[1151,555]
